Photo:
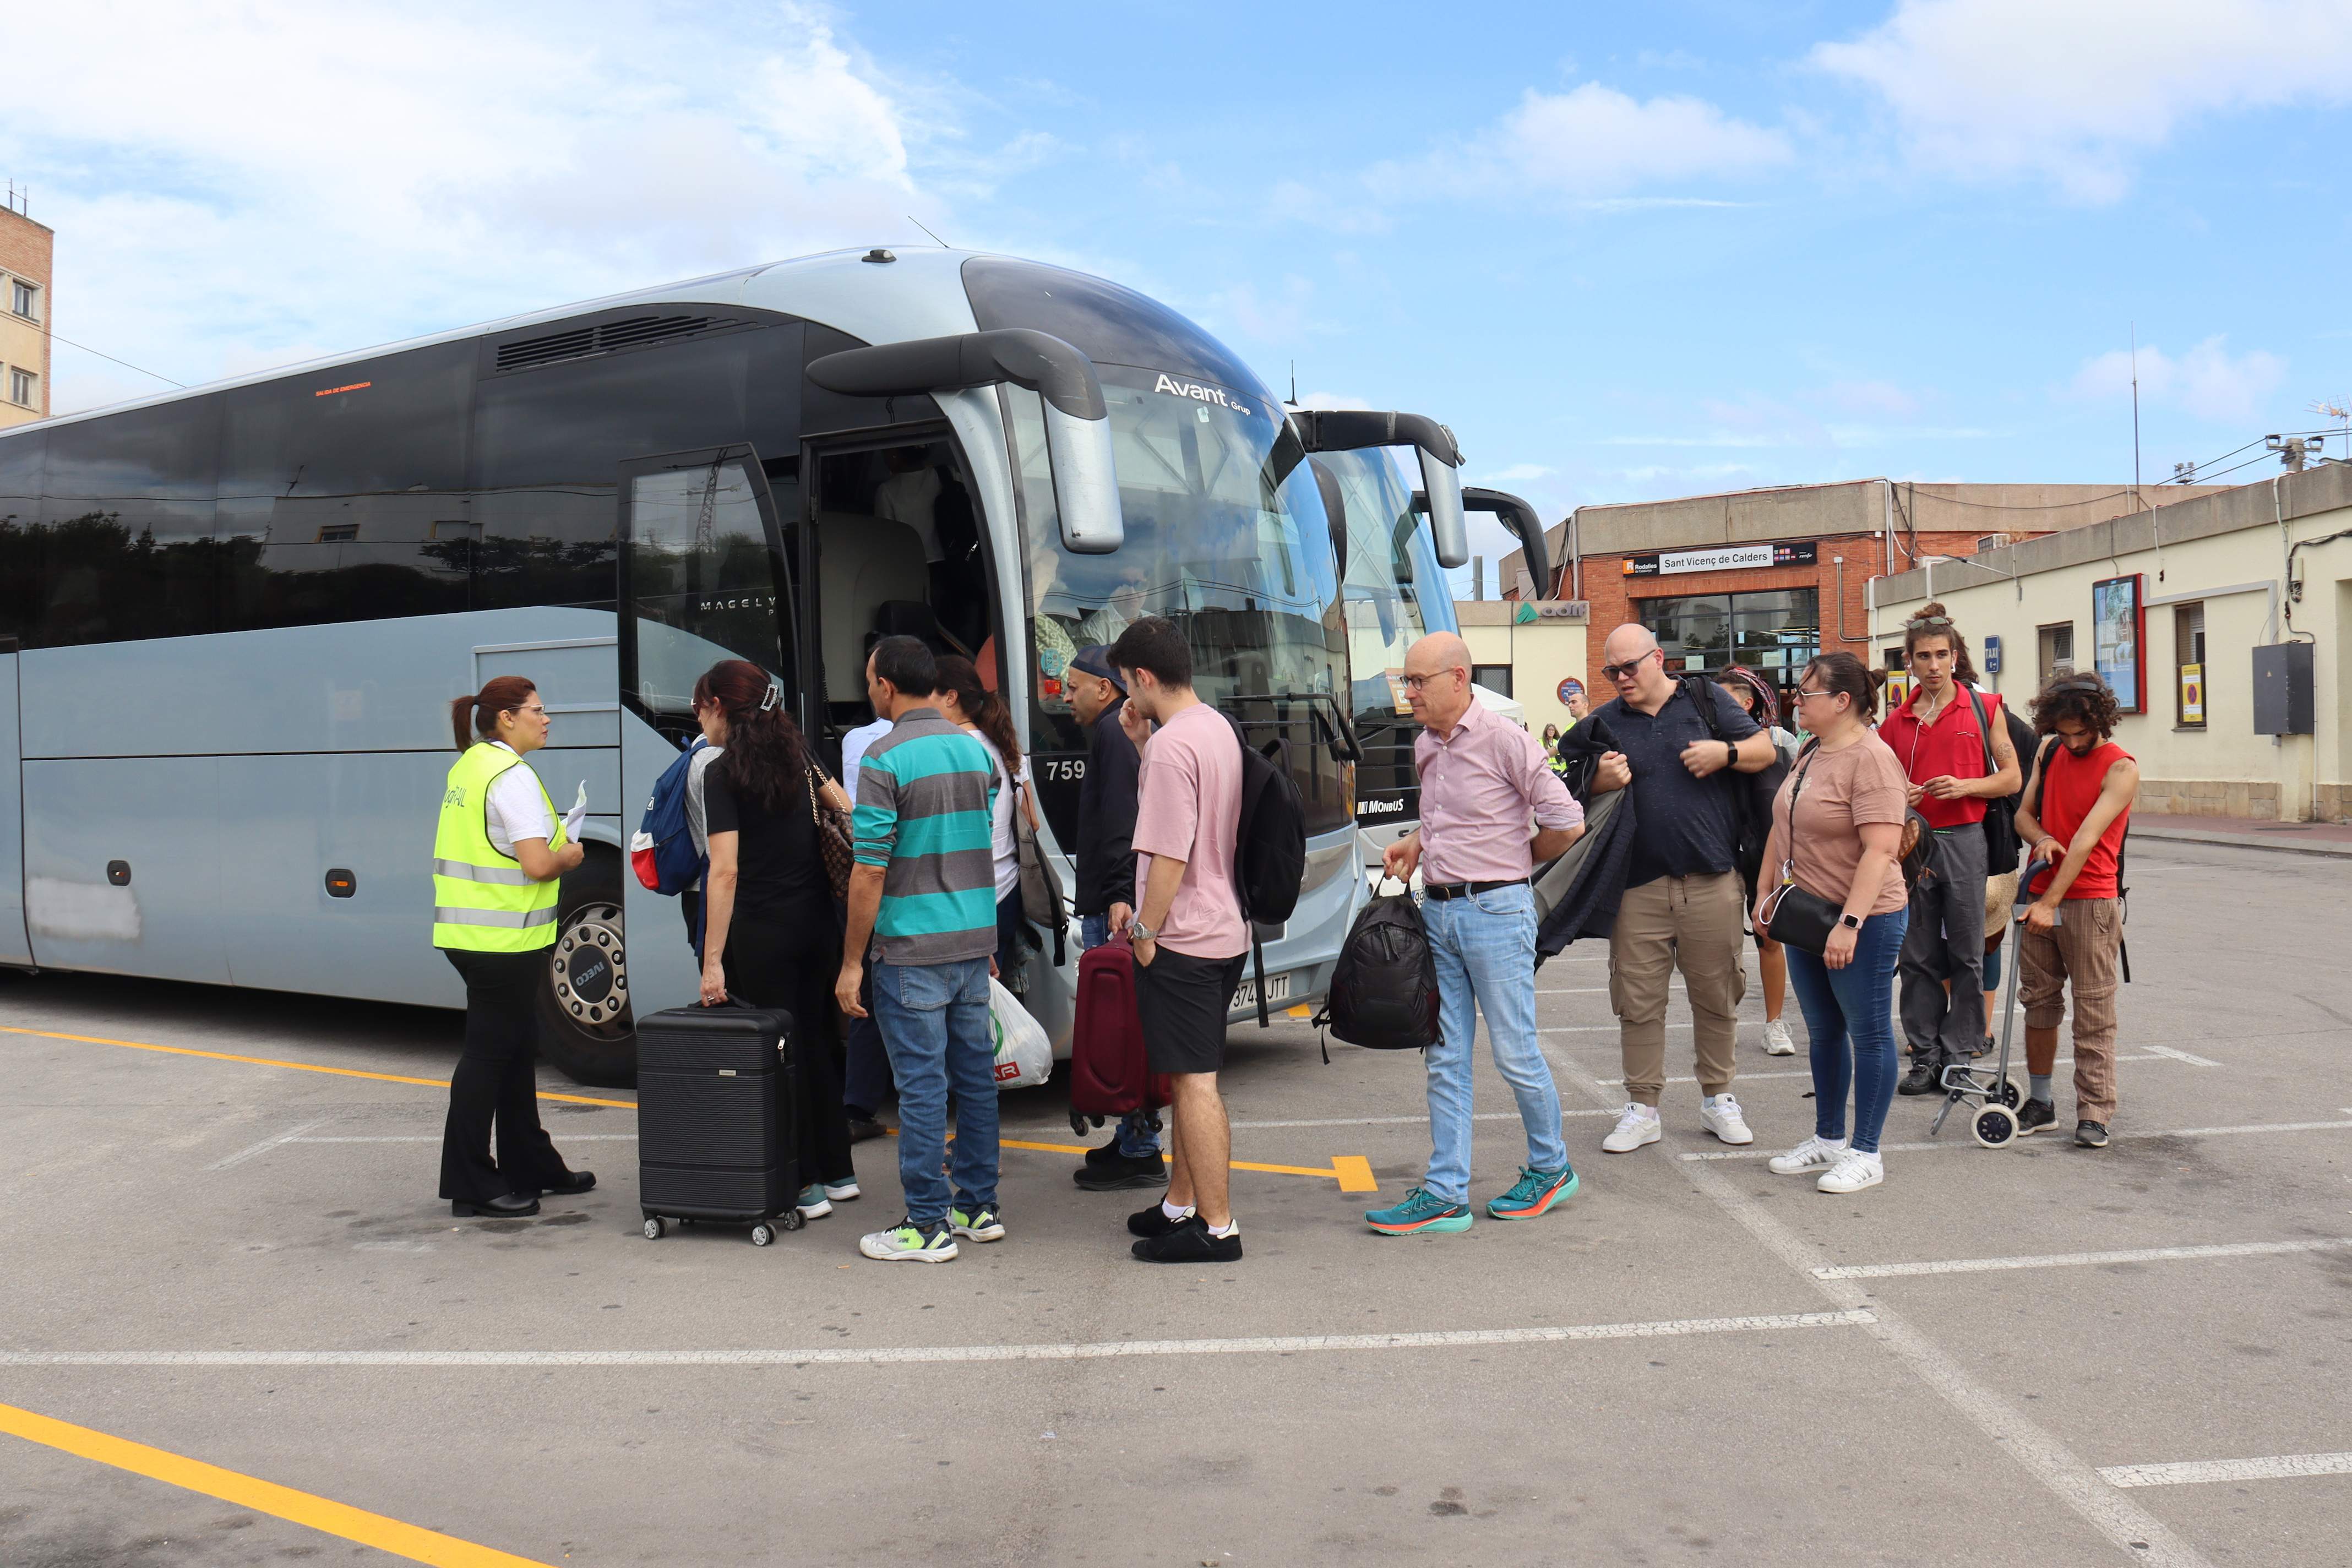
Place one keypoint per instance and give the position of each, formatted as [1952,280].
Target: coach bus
[232,618]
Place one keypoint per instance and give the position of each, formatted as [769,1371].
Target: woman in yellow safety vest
[497,858]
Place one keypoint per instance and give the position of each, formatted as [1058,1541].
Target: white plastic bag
[1024,1057]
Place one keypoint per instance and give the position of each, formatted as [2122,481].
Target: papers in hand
[579,812]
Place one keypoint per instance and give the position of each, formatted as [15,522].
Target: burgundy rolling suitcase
[716,1128]
[1108,1075]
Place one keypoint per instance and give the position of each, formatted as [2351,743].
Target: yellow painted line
[1347,1169]
[411,1542]
[297,1067]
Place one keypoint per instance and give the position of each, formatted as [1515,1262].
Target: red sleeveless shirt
[2070,787]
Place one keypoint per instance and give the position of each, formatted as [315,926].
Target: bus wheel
[585,1028]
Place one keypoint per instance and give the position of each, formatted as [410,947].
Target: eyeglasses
[534,708]
[1802,694]
[1421,682]
[1631,667]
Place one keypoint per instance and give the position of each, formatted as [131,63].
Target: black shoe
[2090,1135]
[1926,1077]
[1985,1049]
[1106,1154]
[1117,1174]
[1152,1221]
[578,1181]
[861,1127]
[1190,1242]
[2035,1115]
[505,1205]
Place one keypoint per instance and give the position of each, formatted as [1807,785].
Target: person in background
[1104,857]
[498,857]
[982,714]
[1189,934]
[2075,811]
[1579,705]
[1937,736]
[1755,694]
[2000,903]
[1552,760]
[1482,783]
[865,1073]
[769,934]
[922,895]
[1837,825]
[1682,903]
[1550,739]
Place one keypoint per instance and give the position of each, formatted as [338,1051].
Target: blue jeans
[1849,1013]
[1138,1131]
[934,1019]
[1486,950]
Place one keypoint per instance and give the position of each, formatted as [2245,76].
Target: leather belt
[1443,891]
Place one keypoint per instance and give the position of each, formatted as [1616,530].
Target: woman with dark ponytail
[769,935]
[982,712]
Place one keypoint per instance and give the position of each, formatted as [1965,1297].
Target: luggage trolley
[1996,1093]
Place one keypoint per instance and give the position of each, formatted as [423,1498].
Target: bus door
[703,578]
[14,947]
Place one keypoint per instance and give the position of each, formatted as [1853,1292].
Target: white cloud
[2071,91]
[1516,474]
[2207,380]
[1594,143]
[232,188]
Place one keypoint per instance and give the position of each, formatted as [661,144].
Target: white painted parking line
[1277,1344]
[267,1144]
[2278,1467]
[1964,1141]
[2183,1056]
[2078,1260]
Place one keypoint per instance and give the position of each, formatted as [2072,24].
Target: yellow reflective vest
[482,900]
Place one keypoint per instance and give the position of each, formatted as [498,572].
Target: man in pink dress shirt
[1491,809]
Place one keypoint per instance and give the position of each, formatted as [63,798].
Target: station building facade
[27,256]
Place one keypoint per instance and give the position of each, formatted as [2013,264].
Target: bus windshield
[1394,592]
[1226,535]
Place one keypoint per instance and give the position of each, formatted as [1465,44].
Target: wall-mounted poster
[2118,643]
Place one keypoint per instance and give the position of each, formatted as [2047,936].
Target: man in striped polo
[923,893]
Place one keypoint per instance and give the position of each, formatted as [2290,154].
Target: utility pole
[2135,364]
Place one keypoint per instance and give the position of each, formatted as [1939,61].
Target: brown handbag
[833,840]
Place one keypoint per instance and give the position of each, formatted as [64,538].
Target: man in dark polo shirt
[1683,892]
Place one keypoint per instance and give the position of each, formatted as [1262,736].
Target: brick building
[1771,577]
[26,257]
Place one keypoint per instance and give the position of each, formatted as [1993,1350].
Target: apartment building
[27,252]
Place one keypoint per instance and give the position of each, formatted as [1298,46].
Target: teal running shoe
[813,1203]
[1533,1193]
[1421,1210]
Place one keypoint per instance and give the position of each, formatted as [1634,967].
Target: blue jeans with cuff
[934,1019]
[1139,1138]
[1849,1014]
[1486,950]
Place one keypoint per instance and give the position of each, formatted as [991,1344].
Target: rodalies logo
[1193,390]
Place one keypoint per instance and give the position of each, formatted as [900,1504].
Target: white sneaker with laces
[1815,1154]
[1720,1113]
[1638,1126]
[1854,1172]
[1776,1039]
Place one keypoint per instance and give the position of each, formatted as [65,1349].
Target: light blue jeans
[1485,951]
[1849,1013]
[934,1019]
[1138,1131]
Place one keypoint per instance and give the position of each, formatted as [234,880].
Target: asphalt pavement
[239,1329]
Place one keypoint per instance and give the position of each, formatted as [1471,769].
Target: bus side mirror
[1085,482]
[1441,483]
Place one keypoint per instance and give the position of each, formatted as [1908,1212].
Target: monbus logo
[1193,390]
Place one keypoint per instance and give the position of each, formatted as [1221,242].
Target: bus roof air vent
[638,330]
[542,350]
[604,338]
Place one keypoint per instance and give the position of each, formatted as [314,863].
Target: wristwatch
[1730,754]
[1851,922]
[1138,931]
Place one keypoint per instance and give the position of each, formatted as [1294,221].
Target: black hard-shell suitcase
[716,1122]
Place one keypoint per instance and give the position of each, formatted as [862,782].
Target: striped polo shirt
[925,805]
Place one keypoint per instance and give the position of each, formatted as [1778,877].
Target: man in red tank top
[2076,810]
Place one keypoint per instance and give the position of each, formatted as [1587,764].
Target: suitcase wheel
[762,1234]
[792,1219]
[654,1228]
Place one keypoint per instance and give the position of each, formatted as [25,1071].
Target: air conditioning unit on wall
[1994,542]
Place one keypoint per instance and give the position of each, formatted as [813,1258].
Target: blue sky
[1625,252]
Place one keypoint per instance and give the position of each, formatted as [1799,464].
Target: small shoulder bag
[1792,915]
[832,836]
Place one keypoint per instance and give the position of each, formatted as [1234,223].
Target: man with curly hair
[2073,813]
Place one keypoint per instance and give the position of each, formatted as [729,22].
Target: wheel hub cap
[590,968]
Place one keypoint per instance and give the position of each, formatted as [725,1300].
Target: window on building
[2057,649]
[1776,632]
[2189,656]
[24,299]
[23,386]
[1492,676]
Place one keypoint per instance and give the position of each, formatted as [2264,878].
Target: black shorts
[1184,1002]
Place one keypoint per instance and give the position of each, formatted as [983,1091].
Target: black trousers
[791,964]
[495,1087]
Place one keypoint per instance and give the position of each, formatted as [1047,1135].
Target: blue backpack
[663,853]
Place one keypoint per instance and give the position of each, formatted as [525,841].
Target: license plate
[1277,989]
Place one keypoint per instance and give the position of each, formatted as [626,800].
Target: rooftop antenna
[1294,384]
[920,224]
[2134,328]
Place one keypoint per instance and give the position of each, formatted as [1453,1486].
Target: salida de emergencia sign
[1723,558]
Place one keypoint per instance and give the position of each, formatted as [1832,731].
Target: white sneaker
[1720,1113]
[1777,1042]
[1854,1172]
[1638,1126]
[1815,1154]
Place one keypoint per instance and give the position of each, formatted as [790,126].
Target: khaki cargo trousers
[1694,923]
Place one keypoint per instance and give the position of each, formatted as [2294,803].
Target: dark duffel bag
[717,1122]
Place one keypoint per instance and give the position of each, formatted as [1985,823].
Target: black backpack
[1756,790]
[2001,847]
[1385,987]
[1269,848]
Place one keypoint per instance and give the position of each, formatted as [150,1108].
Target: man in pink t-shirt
[1189,934]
